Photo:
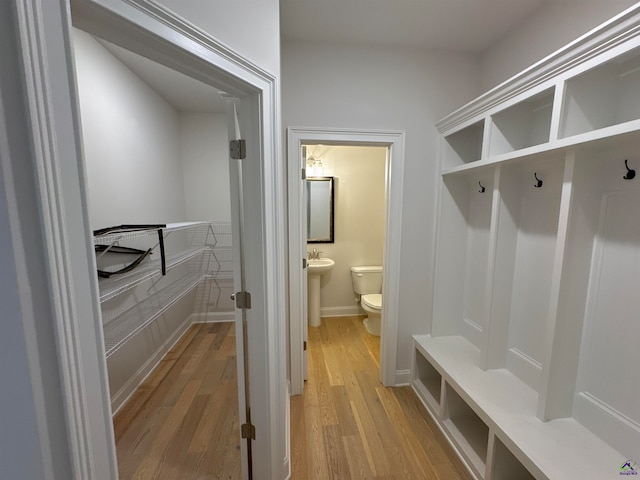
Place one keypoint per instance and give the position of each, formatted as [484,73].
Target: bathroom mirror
[320,210]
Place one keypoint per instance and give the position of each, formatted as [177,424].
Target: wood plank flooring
[182,423]
[346,425]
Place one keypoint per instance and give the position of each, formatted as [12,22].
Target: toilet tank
[367,279]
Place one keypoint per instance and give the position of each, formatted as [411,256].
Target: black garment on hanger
[142,254]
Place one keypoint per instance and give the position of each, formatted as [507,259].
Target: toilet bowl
[372,304]
[367,284]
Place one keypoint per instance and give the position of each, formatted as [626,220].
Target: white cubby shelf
[464,146]
[522,125]
[528,359]
[500,403]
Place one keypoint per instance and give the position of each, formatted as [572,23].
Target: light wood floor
[348,426]
[182,423]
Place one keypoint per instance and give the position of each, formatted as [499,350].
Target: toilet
[367,285]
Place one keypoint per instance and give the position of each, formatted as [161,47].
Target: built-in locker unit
[530,366]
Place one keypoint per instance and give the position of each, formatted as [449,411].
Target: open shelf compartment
[522,125]
[603,96]
[505,404]
[463,146]
[505,466]
[467,430]
[427,381]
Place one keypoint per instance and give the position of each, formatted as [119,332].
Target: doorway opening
[70,258]
[156,153]
[357,198]
[393,142]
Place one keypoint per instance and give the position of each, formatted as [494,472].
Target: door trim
[58,167]
[395,141]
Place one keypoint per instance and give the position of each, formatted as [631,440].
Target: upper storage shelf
[523,125]
[603,96]
[464,146]
[585,93]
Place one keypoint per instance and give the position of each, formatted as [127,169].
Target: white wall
[378,88]
[205,166]
[553,25]
[131,142]
[250,27]
[359,214]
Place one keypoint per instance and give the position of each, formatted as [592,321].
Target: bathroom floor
[182,423]
[346,425]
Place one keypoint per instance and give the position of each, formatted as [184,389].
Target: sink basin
[315,269]
[320,266]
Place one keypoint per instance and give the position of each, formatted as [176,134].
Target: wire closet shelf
[197,253]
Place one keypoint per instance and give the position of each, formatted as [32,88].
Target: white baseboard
[348,311]
[129,388]
[212,317]
[403,378]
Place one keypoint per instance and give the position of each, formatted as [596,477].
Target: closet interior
[529,365]
[156,151]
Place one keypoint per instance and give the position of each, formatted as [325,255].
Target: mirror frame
[330,238]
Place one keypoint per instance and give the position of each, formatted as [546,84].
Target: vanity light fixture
[314,167]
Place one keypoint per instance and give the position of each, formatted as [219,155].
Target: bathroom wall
[359,219]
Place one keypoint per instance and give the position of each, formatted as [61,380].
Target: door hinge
[304,174]
[304,263]
[242,299]
[247,430]
[304,345]
[238,149]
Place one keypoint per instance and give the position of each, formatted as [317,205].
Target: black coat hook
[482,189]
[630,173]
[539,182]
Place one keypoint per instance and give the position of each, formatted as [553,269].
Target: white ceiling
[184,93]
[461,25]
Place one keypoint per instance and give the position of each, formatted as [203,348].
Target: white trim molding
[604,38]
[395,141]
[212,317]
[403,378]
[346,311]
[65,239]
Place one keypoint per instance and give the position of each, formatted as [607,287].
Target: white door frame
[394,140]
[58,168]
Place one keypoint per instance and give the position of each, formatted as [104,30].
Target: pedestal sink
[315,269]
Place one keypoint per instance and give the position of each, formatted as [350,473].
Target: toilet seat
[372,300]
